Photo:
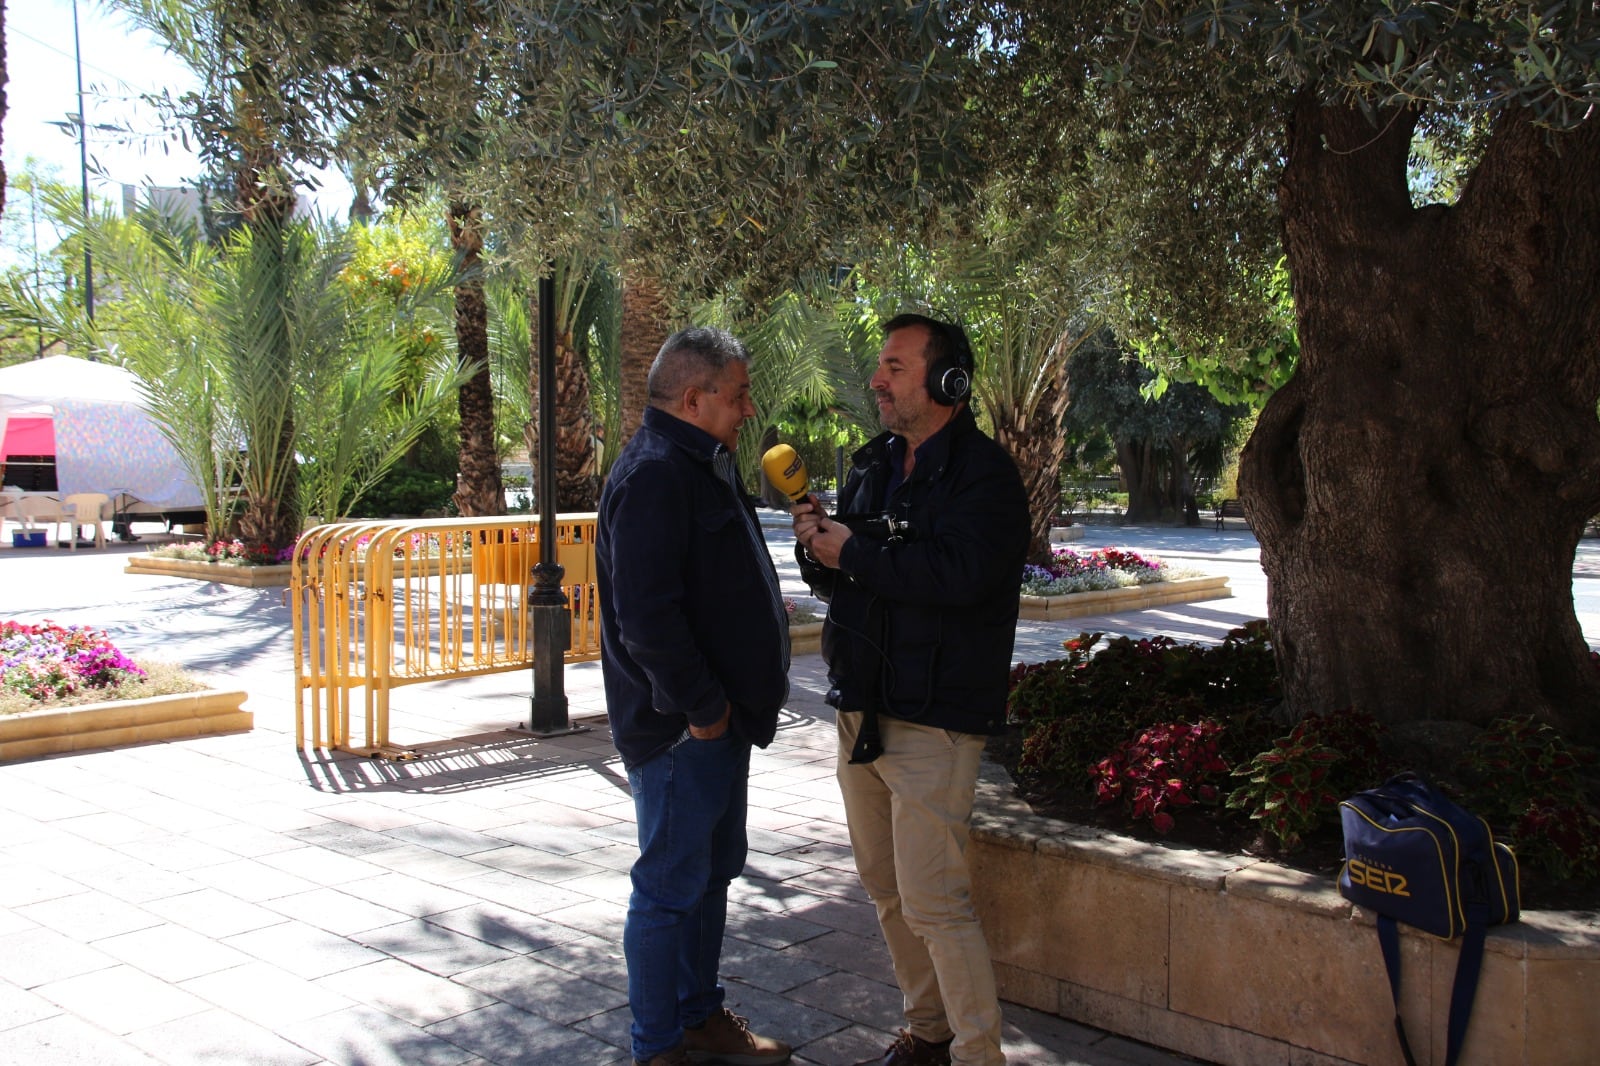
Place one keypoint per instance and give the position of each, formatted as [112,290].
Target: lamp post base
[533,729]
[552,636]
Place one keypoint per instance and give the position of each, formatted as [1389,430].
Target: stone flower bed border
[808,637]
[805,638]
[274,576]
[222,573]
[50,731]
[1133,598]
[1234,959]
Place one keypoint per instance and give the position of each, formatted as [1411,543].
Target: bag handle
[1465,988]
[1389,941]
[1469,964]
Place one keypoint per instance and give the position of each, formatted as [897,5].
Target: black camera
[883,526]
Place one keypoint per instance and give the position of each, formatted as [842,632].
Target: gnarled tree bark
[1420,485]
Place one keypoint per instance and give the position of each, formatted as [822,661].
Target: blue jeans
[690,801]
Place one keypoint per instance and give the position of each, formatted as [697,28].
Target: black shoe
[908,1050]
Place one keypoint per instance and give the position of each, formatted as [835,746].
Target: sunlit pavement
[234,900]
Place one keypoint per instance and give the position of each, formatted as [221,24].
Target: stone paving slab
[229,899]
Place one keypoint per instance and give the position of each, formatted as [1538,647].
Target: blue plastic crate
[27,538]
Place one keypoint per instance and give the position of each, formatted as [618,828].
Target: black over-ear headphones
[950,360]
[950,365]
[950,372]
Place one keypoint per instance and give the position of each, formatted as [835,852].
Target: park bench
[1231,509]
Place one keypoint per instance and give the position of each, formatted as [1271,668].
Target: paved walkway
[234,900]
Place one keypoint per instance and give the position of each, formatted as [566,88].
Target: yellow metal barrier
[376,605]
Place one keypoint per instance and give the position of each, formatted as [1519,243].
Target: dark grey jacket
[687,619]
[923,629]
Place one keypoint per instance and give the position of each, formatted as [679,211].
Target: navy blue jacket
[923,630]
[686,616]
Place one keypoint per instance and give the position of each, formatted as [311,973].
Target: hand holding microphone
[819,537]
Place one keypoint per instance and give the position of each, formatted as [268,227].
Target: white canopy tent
[105,438]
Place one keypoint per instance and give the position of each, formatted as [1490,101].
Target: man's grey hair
[692,358]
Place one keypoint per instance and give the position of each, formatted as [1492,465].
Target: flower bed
[49,662]
[1105,580]
[1193,740]
[225,552]
[233,563]
[1093,571]
[805,637]
[1132,598]
[68,688]
[109,724]
[227,562]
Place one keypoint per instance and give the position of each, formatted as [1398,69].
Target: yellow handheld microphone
[786,470]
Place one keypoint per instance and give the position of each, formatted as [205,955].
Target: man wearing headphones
[918,643]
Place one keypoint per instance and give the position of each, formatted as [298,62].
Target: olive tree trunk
[1420,485]
[1143,475]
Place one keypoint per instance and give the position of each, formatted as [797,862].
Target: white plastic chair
[35,510]
[87,509]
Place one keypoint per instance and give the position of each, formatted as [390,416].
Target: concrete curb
[1135,598]
[224,574]
[114,723]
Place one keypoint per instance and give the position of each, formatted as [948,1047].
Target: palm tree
[813,351]
[583,294]
[193,323]
[168,280]
[646,323]
[262,319]
[478,490]
[1026,302]
[263,189]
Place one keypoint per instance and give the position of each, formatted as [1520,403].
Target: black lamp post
[547,604]
[83,169]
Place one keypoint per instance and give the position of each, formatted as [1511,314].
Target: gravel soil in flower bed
[1216,829]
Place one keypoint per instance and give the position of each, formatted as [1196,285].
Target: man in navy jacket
[918,643]
[695,657]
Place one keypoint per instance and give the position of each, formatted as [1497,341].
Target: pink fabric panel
[29,436]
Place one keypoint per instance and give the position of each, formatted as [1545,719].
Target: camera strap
[869,742]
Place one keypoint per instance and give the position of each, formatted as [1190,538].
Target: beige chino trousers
[908,812]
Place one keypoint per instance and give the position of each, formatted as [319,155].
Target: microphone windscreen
[786,470]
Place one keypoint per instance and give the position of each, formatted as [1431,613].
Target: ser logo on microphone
[786,470]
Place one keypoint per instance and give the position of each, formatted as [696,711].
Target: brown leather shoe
[676,1057]
[908,1050]
[726,1038]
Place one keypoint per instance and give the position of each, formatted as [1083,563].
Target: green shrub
[406,491]
[1517,760]
[1075,711]
[1562,839]
[1193,712]
[1168,767]
[1294,787]
[1525,779]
